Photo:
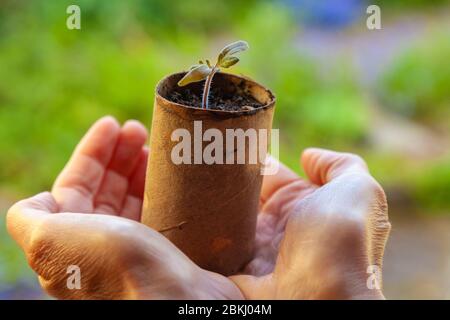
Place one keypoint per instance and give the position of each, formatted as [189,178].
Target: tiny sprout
[206,71]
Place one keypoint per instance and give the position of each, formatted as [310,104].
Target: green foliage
[408,5]
[59,84]
[431,187]
[418,81]
[335,118]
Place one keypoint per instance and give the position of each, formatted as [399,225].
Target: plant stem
[208,87]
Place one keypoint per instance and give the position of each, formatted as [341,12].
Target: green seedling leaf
[197,73]
[194,66]
[205,70]
[232,49]
[229,61]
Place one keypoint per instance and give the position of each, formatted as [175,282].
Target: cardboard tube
[209,211]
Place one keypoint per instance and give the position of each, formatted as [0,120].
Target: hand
[91,220]
[121,258]
[319,238]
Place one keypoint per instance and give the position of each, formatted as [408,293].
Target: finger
[322,166]
[133,201]
[272,183]
[114,186]
[79,181]
[132,137]
[137,180]
[25,216]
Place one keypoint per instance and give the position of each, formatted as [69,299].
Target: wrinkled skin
[316,237]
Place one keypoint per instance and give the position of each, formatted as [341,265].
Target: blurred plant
[410,4]
[416,84]
[204,70]
[431,187]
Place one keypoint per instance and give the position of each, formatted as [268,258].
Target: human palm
[91,220]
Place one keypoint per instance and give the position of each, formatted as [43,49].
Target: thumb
[25,216]
[355,197]
[322,166]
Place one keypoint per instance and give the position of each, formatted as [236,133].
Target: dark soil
[217,100]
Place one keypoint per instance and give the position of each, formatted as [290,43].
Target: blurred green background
[383,94]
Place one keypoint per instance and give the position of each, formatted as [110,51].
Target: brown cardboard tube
[209,211]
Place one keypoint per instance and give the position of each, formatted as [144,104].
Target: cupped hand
[315,239]
[90,220]
[321,238]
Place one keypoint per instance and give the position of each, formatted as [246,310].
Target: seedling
[205,70]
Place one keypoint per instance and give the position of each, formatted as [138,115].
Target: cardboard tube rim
[214,112]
